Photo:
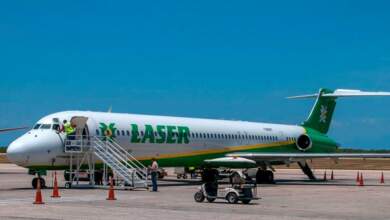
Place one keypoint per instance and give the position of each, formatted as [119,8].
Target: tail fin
[321,115]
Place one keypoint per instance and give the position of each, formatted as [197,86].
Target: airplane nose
[16,153]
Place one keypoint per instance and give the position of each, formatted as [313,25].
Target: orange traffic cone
[111,194]
[357,177]
[325,176]
[38,194]
[382,179]
[331,176]
[361,181]
[56,193]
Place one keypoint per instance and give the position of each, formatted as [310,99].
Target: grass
[3,158]
[350,150]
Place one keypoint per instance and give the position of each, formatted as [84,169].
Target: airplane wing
[250,160]
[304,156]
[12,129]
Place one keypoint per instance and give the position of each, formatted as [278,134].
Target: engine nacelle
[304,143]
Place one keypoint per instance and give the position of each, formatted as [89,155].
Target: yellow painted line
[216,151]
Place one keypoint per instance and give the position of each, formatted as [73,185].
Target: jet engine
[304,142]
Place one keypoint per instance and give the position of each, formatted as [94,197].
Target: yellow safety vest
[68,128]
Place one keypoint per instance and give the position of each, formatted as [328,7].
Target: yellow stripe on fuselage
[218,151]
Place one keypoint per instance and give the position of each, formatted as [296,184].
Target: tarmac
[293,197]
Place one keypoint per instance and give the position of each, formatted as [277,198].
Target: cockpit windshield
[45,126]
[55,127]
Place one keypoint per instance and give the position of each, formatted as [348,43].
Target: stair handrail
[101,149]
[116,150]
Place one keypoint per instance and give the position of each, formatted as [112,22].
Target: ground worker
[69,130]
[153,172]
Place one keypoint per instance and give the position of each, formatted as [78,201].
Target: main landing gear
[35,180]
[307,170]
[265,177]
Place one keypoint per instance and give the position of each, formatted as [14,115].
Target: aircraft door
[82,131]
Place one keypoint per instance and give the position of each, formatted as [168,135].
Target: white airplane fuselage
[179,140]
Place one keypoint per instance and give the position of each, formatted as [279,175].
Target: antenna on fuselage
[110,109]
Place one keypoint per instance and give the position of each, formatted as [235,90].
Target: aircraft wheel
[265,176]
[232,198]
[34,182]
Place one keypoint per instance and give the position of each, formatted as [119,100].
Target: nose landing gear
[35,180]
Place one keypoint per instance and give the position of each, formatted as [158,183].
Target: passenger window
[97,132]
[128,133]
[123,133]
[118,133]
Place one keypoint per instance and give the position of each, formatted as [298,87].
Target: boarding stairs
[133,173]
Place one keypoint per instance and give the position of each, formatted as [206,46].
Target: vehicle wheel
[199,197]
[34,183]
[232,198]
[246,201]
[210,200]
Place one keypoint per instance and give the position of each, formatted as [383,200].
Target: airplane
[184,142]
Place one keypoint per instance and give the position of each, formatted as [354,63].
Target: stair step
[118,159]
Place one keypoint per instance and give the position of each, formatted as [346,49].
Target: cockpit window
[45,126]
[37,126]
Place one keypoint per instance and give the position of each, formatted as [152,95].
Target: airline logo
[323,114]
[108,131]
[160,134]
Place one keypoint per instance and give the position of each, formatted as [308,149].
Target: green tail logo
[321,116]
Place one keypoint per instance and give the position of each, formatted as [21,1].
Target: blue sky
[214,59]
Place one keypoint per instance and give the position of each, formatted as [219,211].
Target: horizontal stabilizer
[342,93]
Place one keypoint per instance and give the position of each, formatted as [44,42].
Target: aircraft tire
[265,177]
[34,182]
